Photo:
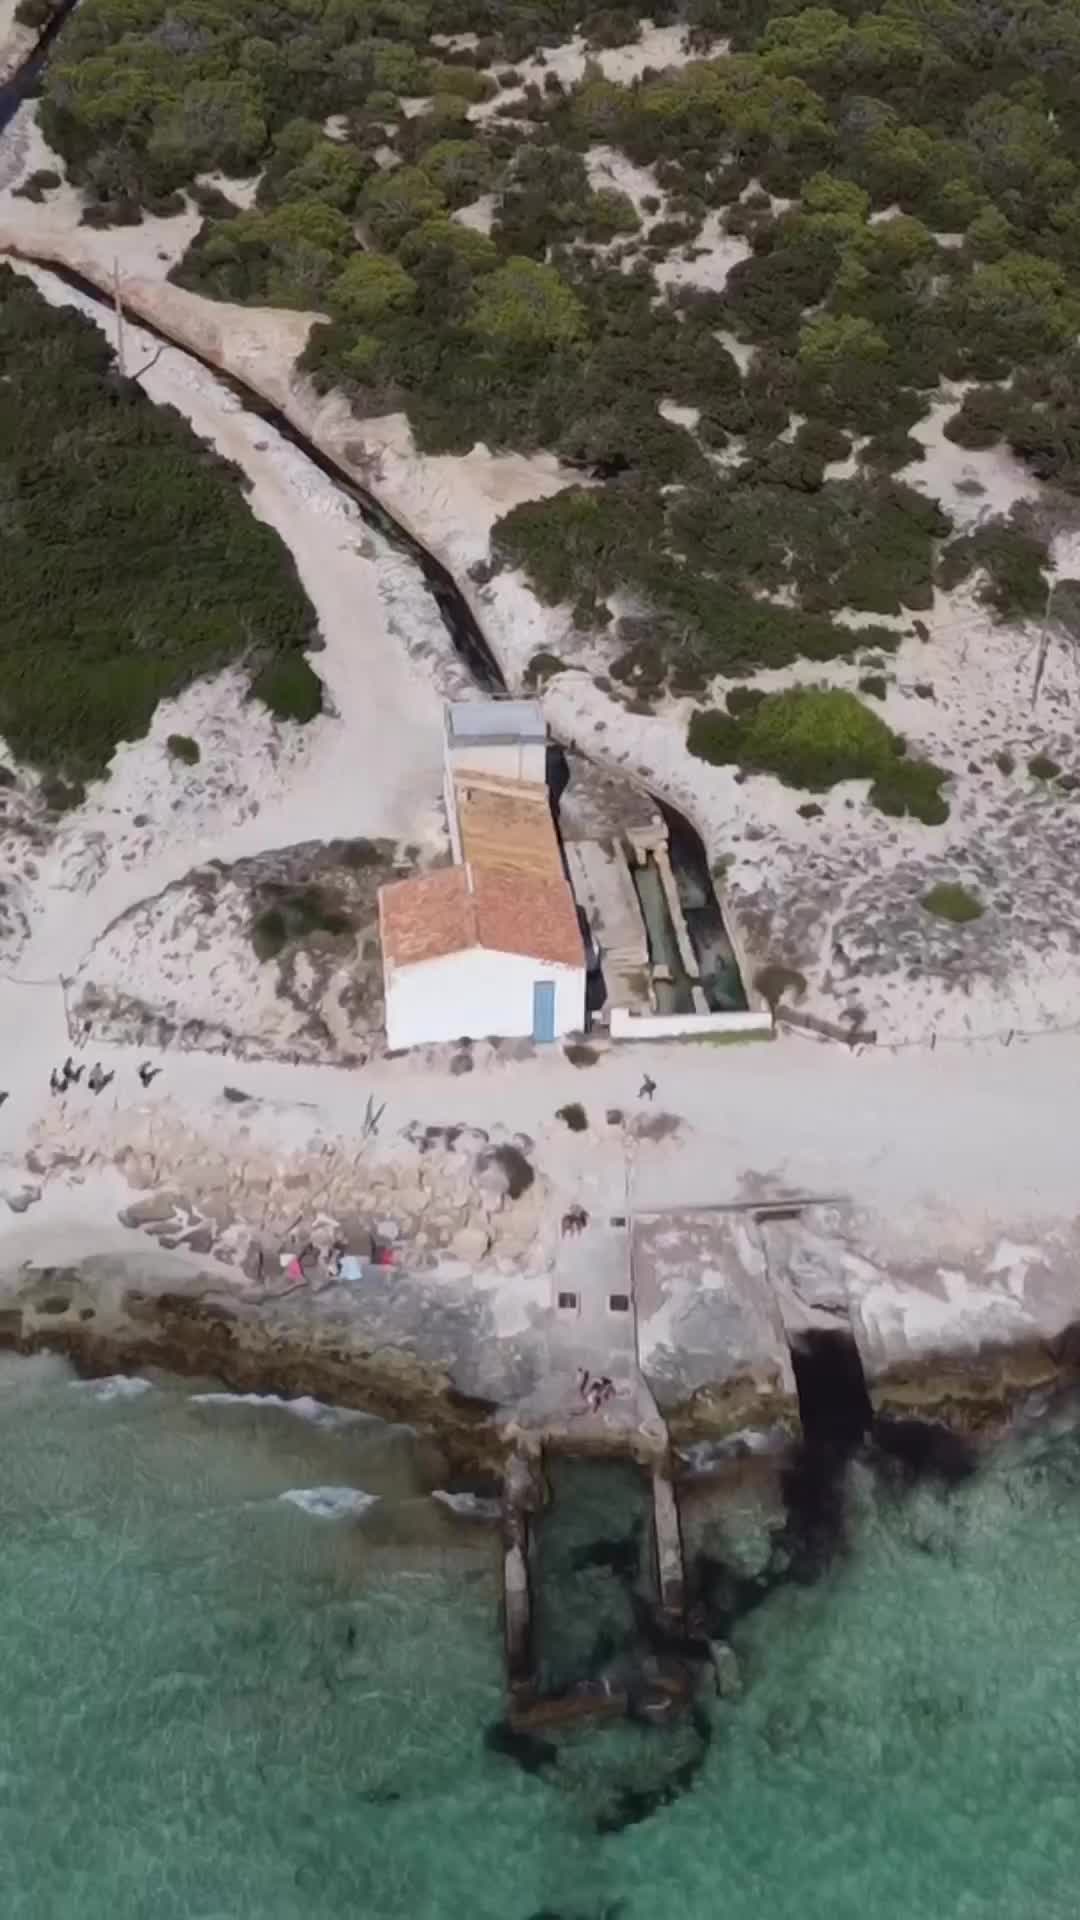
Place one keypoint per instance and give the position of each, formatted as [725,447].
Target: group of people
[69,1075]
[595,1391]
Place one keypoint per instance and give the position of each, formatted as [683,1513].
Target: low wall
[675,1026]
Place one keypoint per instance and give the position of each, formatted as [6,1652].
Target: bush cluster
[287,916]
[814,737]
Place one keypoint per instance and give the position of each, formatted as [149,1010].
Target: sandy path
[948,1148]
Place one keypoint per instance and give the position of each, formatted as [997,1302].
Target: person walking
[648,1088]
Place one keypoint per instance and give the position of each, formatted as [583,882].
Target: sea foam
[316,1412]
[116,1386]
[330,1503]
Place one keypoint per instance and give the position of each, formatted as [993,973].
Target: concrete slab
[711,1339]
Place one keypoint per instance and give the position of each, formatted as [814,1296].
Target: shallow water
[216,1704]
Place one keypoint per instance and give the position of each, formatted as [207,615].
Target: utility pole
[119,318]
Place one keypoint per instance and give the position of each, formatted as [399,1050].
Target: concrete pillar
[669,1556]
[518,1611]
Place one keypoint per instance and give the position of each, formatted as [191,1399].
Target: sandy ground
[657,47]
[15,41]
[708,261]
[950,1150]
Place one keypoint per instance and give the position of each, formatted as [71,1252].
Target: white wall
[476,993]
[450,803]
[673,1026]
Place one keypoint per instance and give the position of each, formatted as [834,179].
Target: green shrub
[1042,767]
[874,684]
[714,737]
[182,747]
[290,688]
[39,183]
[288,256]
[816,736]
[542,667]
[573,1115]
[1065,605]
[774,980]
[293,916]
[1013,561]
[951,901]
[743,700]
[982,418]
[911,787]
[813,737]
[61,795]
[822,439]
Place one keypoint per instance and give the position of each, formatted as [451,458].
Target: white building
[493,944]
[471,951]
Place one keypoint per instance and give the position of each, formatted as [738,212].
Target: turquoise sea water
[215,1704]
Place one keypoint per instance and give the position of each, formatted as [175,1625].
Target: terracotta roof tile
[455,908]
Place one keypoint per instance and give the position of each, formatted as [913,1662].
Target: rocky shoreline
[127,1313]
[104,1325]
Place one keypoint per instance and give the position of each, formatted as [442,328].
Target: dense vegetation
[130,561]
[814,737]
[736,541]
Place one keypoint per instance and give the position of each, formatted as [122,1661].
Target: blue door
[543,1009]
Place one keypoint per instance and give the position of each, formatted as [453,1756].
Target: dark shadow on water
[530,1752]
[912,1450]
[631,1805]
[614,1910]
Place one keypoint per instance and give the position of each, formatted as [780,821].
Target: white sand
[16,41]
[956,1144]
[711,258]
[240,191]
[479,214]
[949,473]
[608,167]
[658,47]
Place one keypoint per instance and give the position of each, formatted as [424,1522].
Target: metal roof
[494,721]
